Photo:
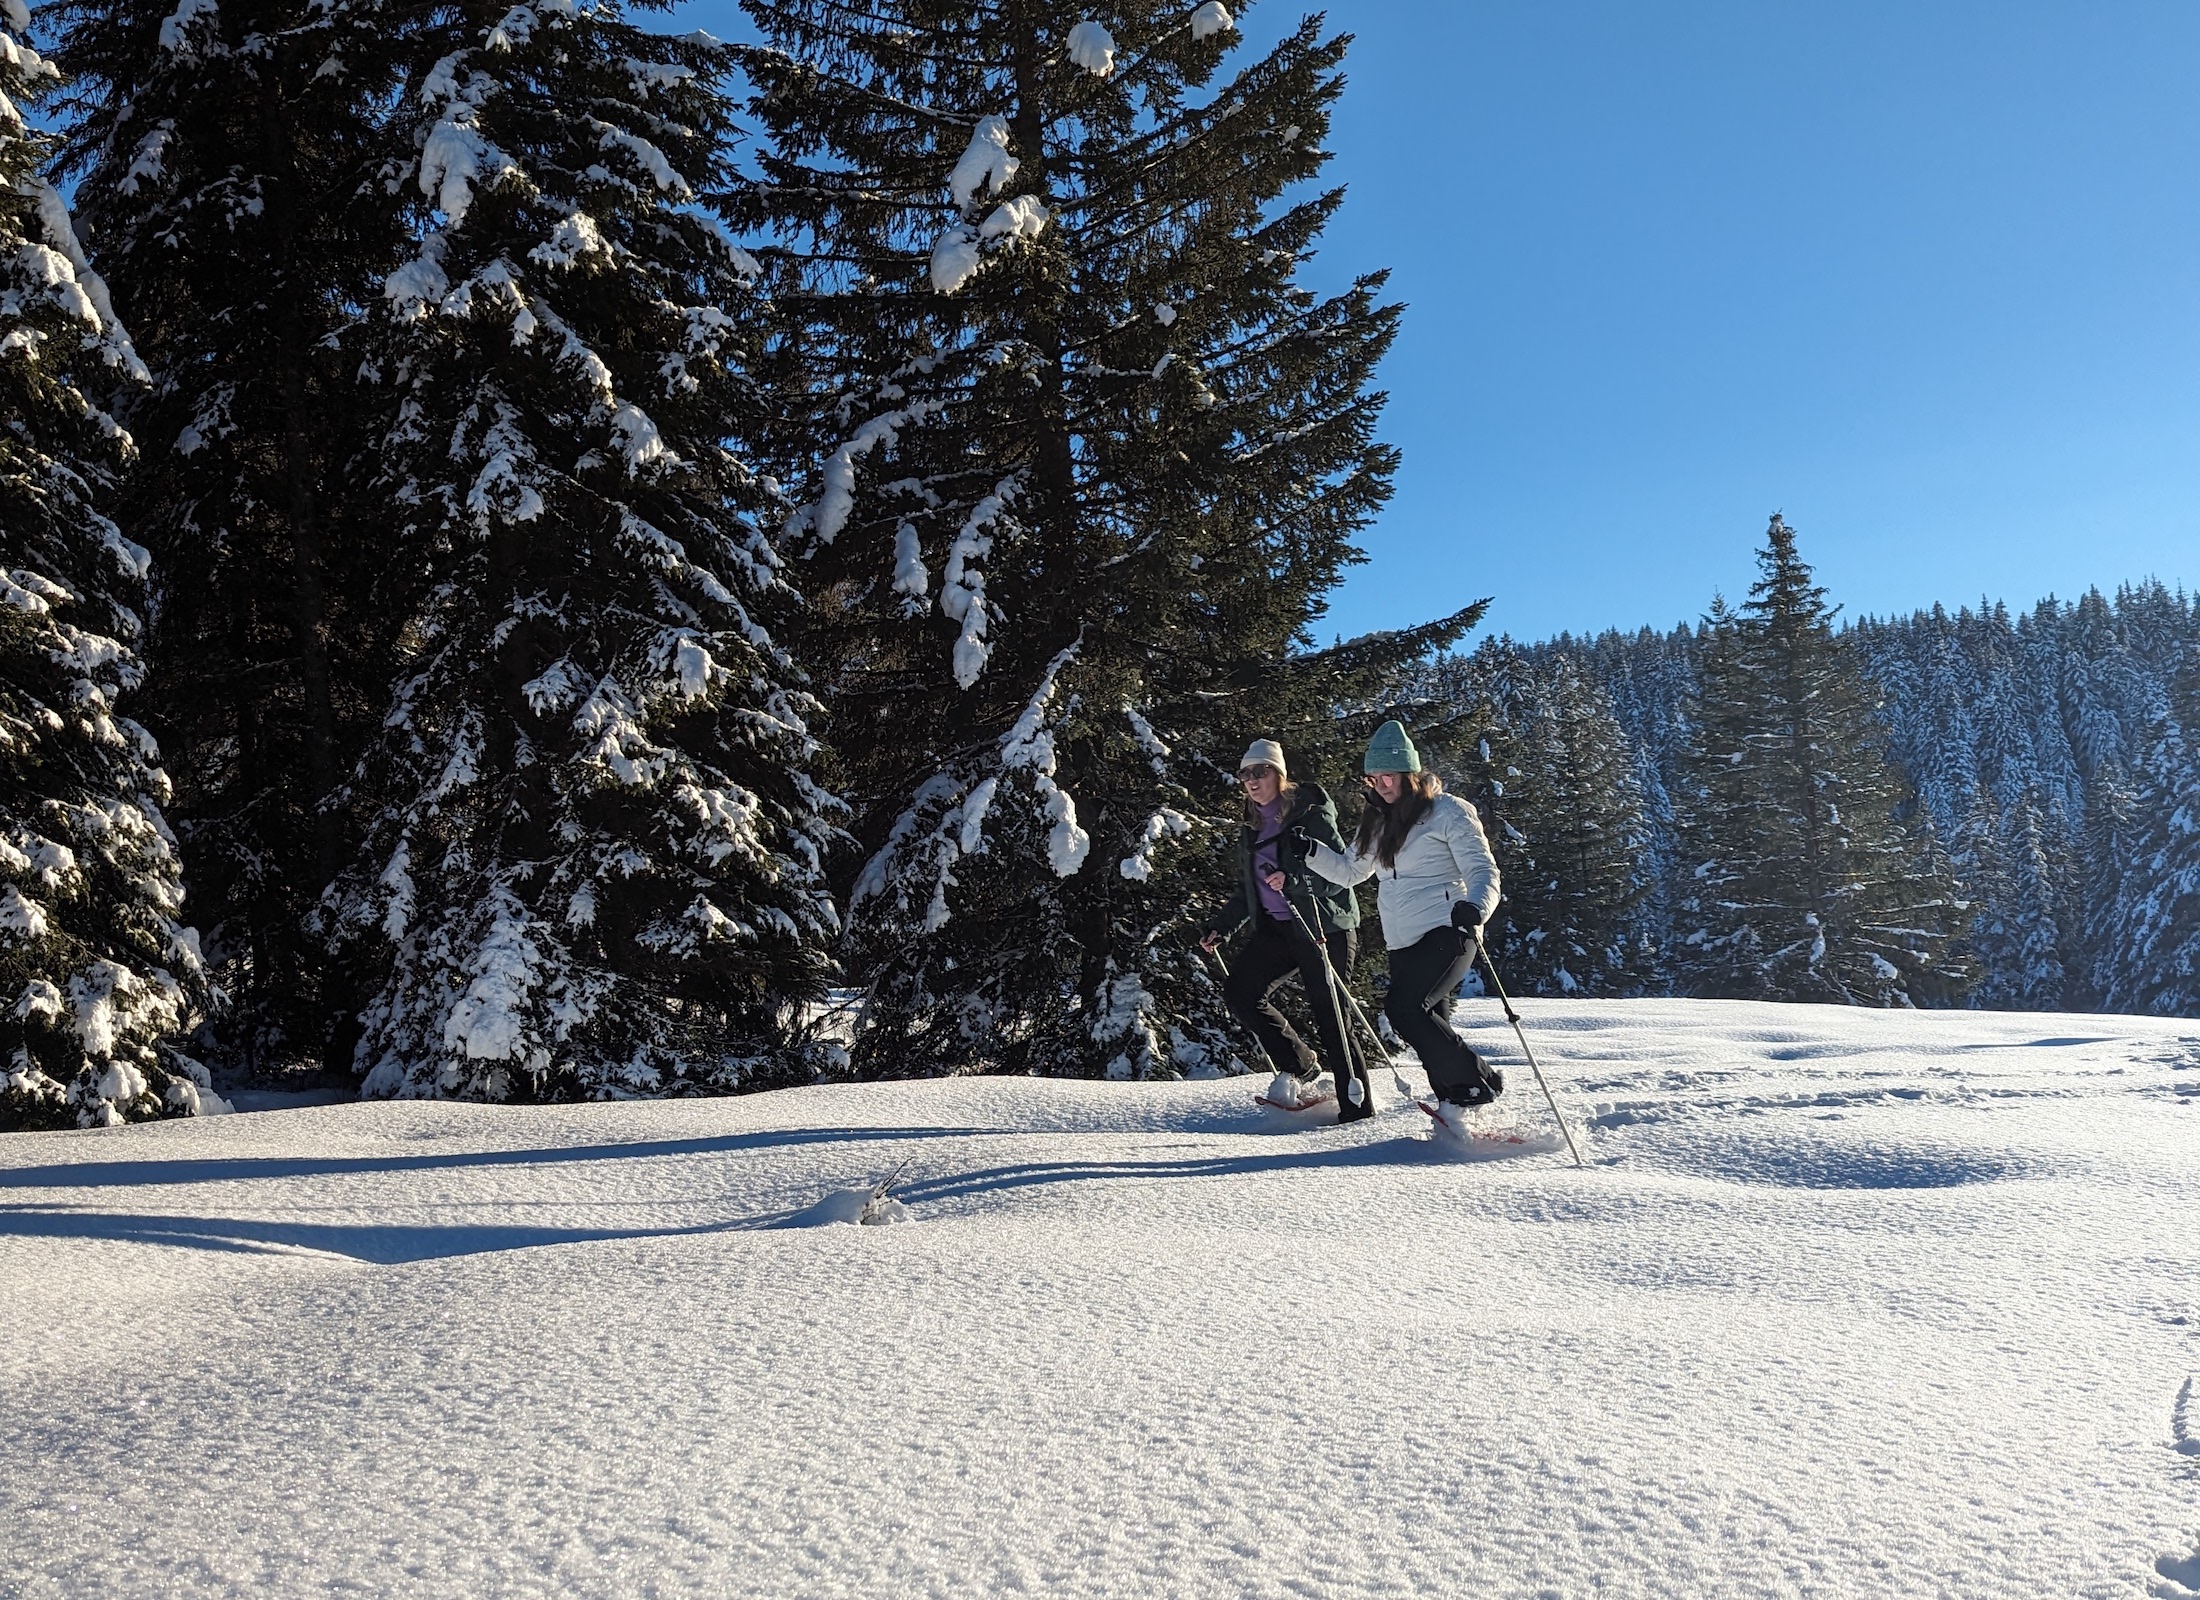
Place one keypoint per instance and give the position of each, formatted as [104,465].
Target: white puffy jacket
[1445,859]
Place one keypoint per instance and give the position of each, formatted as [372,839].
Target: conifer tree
[2029,737]
[1552,773]
[1710,947]
[97,972]
[2154,963]
[1090,458]
[226,155]
[1650,678]
[2016,939]
[2108,843]
[1806,885]
[593,847]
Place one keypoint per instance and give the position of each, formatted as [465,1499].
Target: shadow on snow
[396,1244]
[1032,1174]
[100,1174]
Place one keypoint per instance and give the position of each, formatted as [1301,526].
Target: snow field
[1849,1303]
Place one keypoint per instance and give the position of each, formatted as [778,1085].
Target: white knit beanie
[1265,750]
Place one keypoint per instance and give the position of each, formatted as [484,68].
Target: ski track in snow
[1847,1304]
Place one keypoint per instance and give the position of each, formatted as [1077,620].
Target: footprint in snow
[2184,1419]
[2178,1575]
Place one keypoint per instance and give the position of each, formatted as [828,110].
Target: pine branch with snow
[226,153]
[593,859]
[98,973]
[1078,460]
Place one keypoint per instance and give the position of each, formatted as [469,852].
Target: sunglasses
[1255,772]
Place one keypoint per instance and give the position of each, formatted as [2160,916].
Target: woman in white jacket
[1437,884]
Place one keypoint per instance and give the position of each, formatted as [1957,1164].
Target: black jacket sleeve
[1320,822]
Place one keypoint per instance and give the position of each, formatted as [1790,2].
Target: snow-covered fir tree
[2157,907]
[1083,459]
[2028,738]
[2108,843]
[1545,761]
[226,150]
[2009,875]
[593,858]
[1805,885]
[1650,679]
[2035,720]
[97,972]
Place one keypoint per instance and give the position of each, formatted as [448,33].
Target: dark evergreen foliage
[2041,746]
[2152,959]
[2040,723]
[225,155]
[1803,883]
[594,853]
[1083,460]
[2009,872]
[97,972]
[1533,742]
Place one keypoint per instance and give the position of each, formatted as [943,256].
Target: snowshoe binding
[1286,1093]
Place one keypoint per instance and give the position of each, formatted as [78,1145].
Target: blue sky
[1922,275]
[1925,277]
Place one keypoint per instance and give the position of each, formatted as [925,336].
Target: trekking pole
[1513,1017]
[1340,997]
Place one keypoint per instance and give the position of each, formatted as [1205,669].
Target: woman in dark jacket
[1281,900]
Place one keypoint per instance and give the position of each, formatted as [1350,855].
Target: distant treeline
[2028,782]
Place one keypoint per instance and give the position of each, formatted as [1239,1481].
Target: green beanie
[1391,751]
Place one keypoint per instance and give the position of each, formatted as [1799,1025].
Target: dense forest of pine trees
[626,533]
[571,543]
[2018,799]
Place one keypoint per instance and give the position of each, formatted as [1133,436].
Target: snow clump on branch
[985,163]
[984,167]
[1211,18]
[1093,48]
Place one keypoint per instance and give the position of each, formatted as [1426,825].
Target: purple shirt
[1266,860]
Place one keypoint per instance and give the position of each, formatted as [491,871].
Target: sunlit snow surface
[1848,1303]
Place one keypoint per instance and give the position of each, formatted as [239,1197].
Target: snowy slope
[1848,1303]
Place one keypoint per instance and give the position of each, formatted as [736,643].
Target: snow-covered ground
[1848,1303]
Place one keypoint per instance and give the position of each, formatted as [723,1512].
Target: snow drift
[1848,1303]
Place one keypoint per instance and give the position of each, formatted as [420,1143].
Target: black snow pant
[1273,954]
[1423,978]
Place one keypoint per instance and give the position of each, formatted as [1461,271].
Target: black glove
[1297,846]
[1466,916]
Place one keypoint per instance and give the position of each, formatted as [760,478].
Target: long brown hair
[1383,828]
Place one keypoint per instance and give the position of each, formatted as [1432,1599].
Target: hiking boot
[1474,1094]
